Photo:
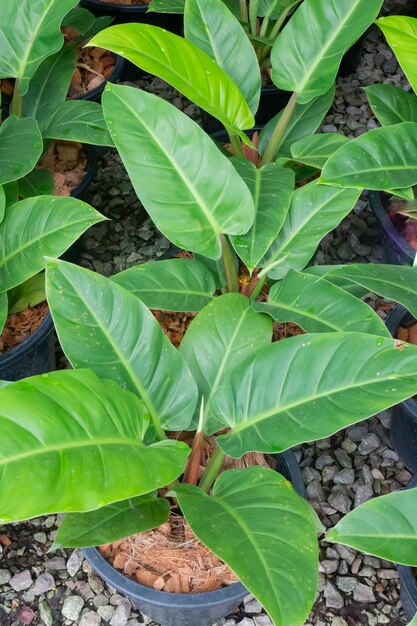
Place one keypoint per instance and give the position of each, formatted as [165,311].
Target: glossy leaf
[392,105]
[11,192]
[2,203]
[202,195]
[167,6]
[29,293]
[184,66]
[212,27]
[272,9]
[316,149]
[271,187]
[314,211]
[107,329]
[49,86]
[79,19]
[20,147]
[255,517]
[346,285]
[3,309]
[170,285]
[309,387]
[385,527]
[36,183]
[35,35]
[78,120]
[73,442]
[112,522]
[382,158]
[401,34]
[394,282]
[319,306]
[307,54]
[305,121]
[38,227]
[225,332]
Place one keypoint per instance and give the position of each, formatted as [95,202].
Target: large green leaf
[258,525]
[36,183]
[392,105]
[212,27]
[314,211]
[309,387]
[104,327]
[307,54]
[413,621]
[383,158]
[271,187]
[78,120]
[30,32]
[3,309]
[316,149]
[401,34]
[167,6]
[20,147]
[73,442]
[49,86]
[29,293]
[319,306]
[2,203]
[184,66]
[395,282]
[225,332]
[11,192]
[305,121]
[37,227]
[385,527]
[112,522]
[171,285]
[273,9]
[79,19]
[189,188]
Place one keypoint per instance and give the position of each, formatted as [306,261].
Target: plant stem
[193,464]
[278,134]
[16,107]
[253,15]
[277,26]
[212,470]
[258,288]
[243,11]
[236,145]
[264,27]
[229,266]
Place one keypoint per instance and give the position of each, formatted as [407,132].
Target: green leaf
[11,192]
[100,23]
[394,282]
[184,66]
[35,35]
[2,203]
[212,27]
[202,195]
[167,6]
[271,187]
[49,86]
[171,285]
[346,285]
[272,9]
[307,54]
[73,442]
[20,147]
[314,211]
[78,120]
[4,306]
[36,183]
[112,522]
[401,34]
[278,399]
[407,193]
[315,150]
[107,329]
[29,293]
[38,227]
[225,332]
[392,105]
[318,306]
[305,121]
[385,527]
[258,525]
[382,158]
[79,19]
[413,621]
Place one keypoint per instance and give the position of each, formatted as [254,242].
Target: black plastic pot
[350,60]
[180,609]
[35,355]
[123,13]
[404,415]
[397,249]
[408,579]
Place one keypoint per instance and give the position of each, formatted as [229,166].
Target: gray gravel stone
[369,443]
[346,583]
[5,576]
[74,563]
[363,494]
[121,614]
[90,619]
[339,499]
[22,580]
[363,593]
[72,607]
[44,583]
[334,599]
[45,613]
[252,606]
[345,477]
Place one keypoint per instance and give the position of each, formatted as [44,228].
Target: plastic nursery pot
[183,609]
[35,355]
[123,13]
[350,60]
[408,579]
[397,250]
[95,94]
[404,415]
[271,102]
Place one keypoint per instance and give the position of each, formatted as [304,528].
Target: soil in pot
[67,162]
[20,326]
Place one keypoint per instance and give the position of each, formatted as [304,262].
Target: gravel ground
[54,589]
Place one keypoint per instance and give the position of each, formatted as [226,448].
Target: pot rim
[397,316]
[375,202]
[20,351]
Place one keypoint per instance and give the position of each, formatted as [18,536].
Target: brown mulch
[67,163]
[19,326]
[174,325]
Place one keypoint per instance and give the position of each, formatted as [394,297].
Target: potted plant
[122,11]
